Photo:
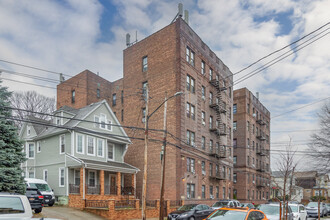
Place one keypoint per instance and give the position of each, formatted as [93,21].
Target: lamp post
[147,117]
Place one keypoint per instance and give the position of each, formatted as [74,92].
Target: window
[248,107]
[203,92]
[248,125]
[203,67]
[77,177]
[96,121]
[31,174]
[38,147]
[229,173]
[114,98]
[234,142]
[62,144]
[224,171]
[203,191]
[210,74]
[80,143]
[217,192]
[122,115]
[190,165]
[98,93]
[61,177]
[31,151]
[102,121]
[223,192]
[73,96]
[203,168]
[90,146]
[190,110]
[100,147]
[248,195]
[235,178]
[235,160]
[45,175]
[248,160]
[235,125]
[92,178]
[229,112]
[143,115]
[190,191]
[203,118]
[203,142]
[234,108]
[248,142]
[211,122]
[211,98]
[122,96]
[191,138]
[211,145]
[229,92]
[211,192]
[190,56]
[144,90]
[144,63]
[190,84]
[217,77]
[111,150]
[211,169]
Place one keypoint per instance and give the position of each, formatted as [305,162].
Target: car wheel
[38,210]
[191,218]
[50,204]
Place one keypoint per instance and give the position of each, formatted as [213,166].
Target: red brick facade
[252,169]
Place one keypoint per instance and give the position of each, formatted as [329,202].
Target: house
[80,153]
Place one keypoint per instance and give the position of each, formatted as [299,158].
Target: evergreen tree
[11,155]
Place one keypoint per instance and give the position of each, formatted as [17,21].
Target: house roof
[306,174]
[110,165]
[42,123]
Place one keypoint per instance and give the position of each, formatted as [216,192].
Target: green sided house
[80,153]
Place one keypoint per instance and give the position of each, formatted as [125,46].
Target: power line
[295,131]
[30,76]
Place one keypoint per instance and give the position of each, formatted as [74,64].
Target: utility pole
[144,191]
[161,209]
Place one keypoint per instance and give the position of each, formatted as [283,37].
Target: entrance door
[113,188]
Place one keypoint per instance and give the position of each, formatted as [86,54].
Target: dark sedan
[191,211]
[35,198]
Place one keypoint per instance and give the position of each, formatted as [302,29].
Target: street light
[147,117]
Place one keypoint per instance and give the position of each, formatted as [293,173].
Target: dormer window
[73,96]
[102,122]
[28,130]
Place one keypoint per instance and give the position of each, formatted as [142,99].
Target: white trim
[28,130]
[28,150]
[118,140]
[93,154]
[43,175]
[66,174]
[113,147]
[38,147]
[97,147]
[123,155]
[59,176]
[62,118]
[104,116]
[83,143]
[96,125]
[92,171]
[60,143]
[72,133]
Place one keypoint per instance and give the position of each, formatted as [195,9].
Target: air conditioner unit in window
[211,197]
[143,120]
[254,115]
[193,144]
[203,123]
[253,181]
[203,173]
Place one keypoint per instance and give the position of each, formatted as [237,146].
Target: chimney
[128,39]
[186,16]
[180,8]
[61,78]
[257,95]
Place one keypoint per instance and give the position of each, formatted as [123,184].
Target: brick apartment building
[173,59]
[251,129]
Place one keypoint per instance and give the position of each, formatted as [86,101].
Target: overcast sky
[69,36]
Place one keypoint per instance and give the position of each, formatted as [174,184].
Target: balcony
[216,84]
[260,137]
[260,184]
[218,153]
[218,131]
[262,152]
[261,169]
[218,176]
[74,189]
[260,122]
[220,108]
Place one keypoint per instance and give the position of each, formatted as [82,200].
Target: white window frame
[92,171]
[97,147]
[43,175]
[60,143]
[28,130]
[113,147]
[28,150]
[93,154]
[34,174]
[103,116]
[96,122]
[109,125]
[59,176]
[83,143]
[38,147]
[74,176]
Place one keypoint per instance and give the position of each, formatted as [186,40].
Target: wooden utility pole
[144,190]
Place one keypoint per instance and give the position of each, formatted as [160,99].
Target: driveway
[66,213]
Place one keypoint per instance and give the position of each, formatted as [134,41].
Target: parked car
[35,198]
[237,213]
[226,203]
[248,205]
[312,209]
[328,207]
[191,211]
[44,188]
[14,206]
[272,211]
[299,211]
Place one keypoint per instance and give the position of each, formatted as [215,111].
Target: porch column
[81,184]
[118,183]
[134,184]
[102,182]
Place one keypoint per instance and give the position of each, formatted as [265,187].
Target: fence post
[137,204]
[157,204]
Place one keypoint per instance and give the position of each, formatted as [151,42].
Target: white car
[299,211]
[14,206]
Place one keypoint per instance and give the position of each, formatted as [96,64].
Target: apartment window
[190,191]
[143,115]
[38,147]
[45,175]
[211,192]
[235,193]
[191,138]
[92,178]
[211,98]
[235,178]
[114,98]
[144,63]
[217,192]
[203,118]
[190,84]
[203,67]
[229,193]
[122,96]
[190,56]
[248,107]
[203,142]
[235,160]
[144,90]
[61,177]
[203,92]
[217,77]
[248,160]
[203,191]
[210,74]
[98,93]
[252,194]
[211,169]
[211,122]
[73,96]
[211,145]
[235,125]
[100,147]
[224,171]
[80,144]
[190,165]
[111,151]
[248,194]
[223,192]
[234,142]
[248,125]
[122,115]
[190,110]
[229,112]
[248,142]
[77,177]
[203,168]
[90,146]
[229,173]
[216,169]
[62,144]
[234,108]
[253,129]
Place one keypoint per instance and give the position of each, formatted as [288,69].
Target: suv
[36,199]
[312,209]
[272,210]
[44,188]
[226,203]
[14,206]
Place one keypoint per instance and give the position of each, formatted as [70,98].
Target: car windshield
[269,209]
[294,208]
[10,205]
[41,186]
[220,204]
[227,215]
[187,207]
[328,205]
[312,204]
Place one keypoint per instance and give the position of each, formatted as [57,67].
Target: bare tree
[320,141]
[32,102]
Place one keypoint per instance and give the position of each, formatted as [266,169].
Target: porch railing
[119,204]
[151,203]
[74,188]
[96,189]
[104,204]
[127,190]
[175,203]
[110,190]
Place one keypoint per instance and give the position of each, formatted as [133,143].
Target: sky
[69,36]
